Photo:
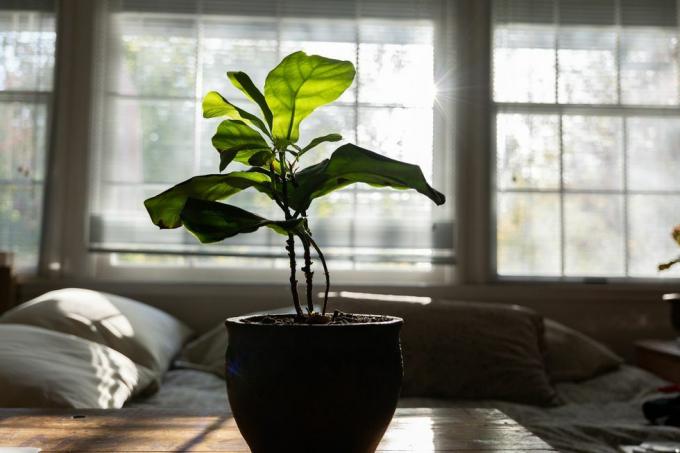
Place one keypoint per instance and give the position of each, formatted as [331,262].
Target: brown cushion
[467,350]
[574,356]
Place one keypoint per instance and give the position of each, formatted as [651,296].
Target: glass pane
[22,141]
[394,70]
[158,56]
[524,64]
[209,157]
[399,133]
[593,155]
[649,66]
[587,66]
[651,219]
[20,222]
[594,235]
[152,141]
[527,151]
[237,45]
[330,119]
[27,41]
[653,154]
[528,234]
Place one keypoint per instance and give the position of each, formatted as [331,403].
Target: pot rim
[389,321]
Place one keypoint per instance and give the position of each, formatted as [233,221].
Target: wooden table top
[421,430]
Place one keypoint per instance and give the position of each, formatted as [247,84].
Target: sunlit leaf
[214,105]
[164,209]
[300,84]
[351,164]
[242,81]
[319,140]
[235,140]
[211,221]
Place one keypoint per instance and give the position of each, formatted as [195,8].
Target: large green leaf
[234,139]
[319,140]
[164,209]
[241,81]
[211,221]
[351,164]
[214,105]
[300,84]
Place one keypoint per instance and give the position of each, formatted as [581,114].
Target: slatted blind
[165,55]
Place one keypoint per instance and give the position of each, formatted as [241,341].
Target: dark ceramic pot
[313,388]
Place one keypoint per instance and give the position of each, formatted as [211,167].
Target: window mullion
[556,12]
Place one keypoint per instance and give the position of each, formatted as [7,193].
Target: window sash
[550,17]
[443,245]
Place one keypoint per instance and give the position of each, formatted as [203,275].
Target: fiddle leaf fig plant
[268,143]
[676,237]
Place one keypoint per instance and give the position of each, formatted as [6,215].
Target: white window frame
[616,109]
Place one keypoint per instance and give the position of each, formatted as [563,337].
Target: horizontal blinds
[647,13]
[164,60]
[385,9]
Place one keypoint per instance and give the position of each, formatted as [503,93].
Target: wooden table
[661,357]
[135,430]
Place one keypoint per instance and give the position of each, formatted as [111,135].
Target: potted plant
[309,381]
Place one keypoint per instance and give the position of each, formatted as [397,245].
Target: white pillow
[574,356]
[146,335]
[41,368]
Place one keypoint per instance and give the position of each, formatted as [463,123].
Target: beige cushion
[573,356]
[42,368]
[467,350]
[146,335]
[207,352]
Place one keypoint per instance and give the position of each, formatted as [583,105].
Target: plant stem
[325,271]
[309,275]
[293,281]
[291,240]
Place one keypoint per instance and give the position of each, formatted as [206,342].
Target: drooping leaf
[164,209]
[214,105]
[351,164]
[235,140]
[319,140]
[668,265]
[300,84]
[242,81]
[211,221]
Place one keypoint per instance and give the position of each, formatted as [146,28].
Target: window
[160,66]
[27,45]
[587,136]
